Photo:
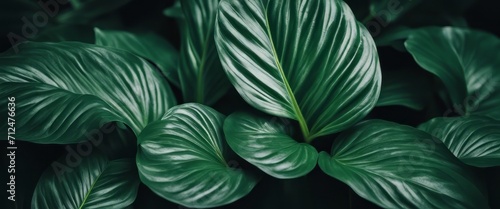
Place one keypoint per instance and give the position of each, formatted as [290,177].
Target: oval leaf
[202,78]
[308,60]
[265,143]
[397,166]
[147,45]
[466,61]
[64,90]
[475,140]
[90,182]
[184,159]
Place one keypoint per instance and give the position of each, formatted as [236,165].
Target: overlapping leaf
[147,45]
[64,90]
[308,60]
[266,143]
[201,76]
[184,158]
[407,88]
[475,140]
[467,63]
[90,182]
[397,166]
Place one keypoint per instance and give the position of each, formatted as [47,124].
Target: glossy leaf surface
[147,45]
[397,166]
[184,158]
[266,143]
[467,63]
[202,78]
[308,60]
[94,182]
[63,91]
[475,140]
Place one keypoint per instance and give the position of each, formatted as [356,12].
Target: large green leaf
[307,60]
[94,182]
[404,87]
[184,158]
[466,61]
[65,90]
[397,166]
[201,76]
[146,45]
[475,140]
[266,143]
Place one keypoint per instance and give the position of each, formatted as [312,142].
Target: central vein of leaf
[90,190]
[200,91]
[295,105]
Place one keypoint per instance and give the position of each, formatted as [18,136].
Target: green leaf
[146,45]
[88,10]
[174,11]
[95,182]
[475,140]
[184,158]
[397,166]
[307,60]
[201,76]
[65,90]
[266,143]
[407,88]
[466,61]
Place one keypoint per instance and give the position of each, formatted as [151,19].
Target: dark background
[316,190]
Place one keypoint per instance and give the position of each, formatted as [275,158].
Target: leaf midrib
[295,105]
[91,188]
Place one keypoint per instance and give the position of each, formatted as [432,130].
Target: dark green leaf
[201,76]
[95,182]
[174,11]
[307,60]
[65,90]
[475,140]
[397,166]
[88,10]
[388,11]
[146,45]
[406,88]
[184,158]
[266,143]
[466,61]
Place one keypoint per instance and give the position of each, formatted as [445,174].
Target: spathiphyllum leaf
[397,166]
[87,182]
[475,140]
[146,45]
[266,143]
[406,88]
[184,158]
[201,76]
[64,90]
[466,61]
[308,60]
